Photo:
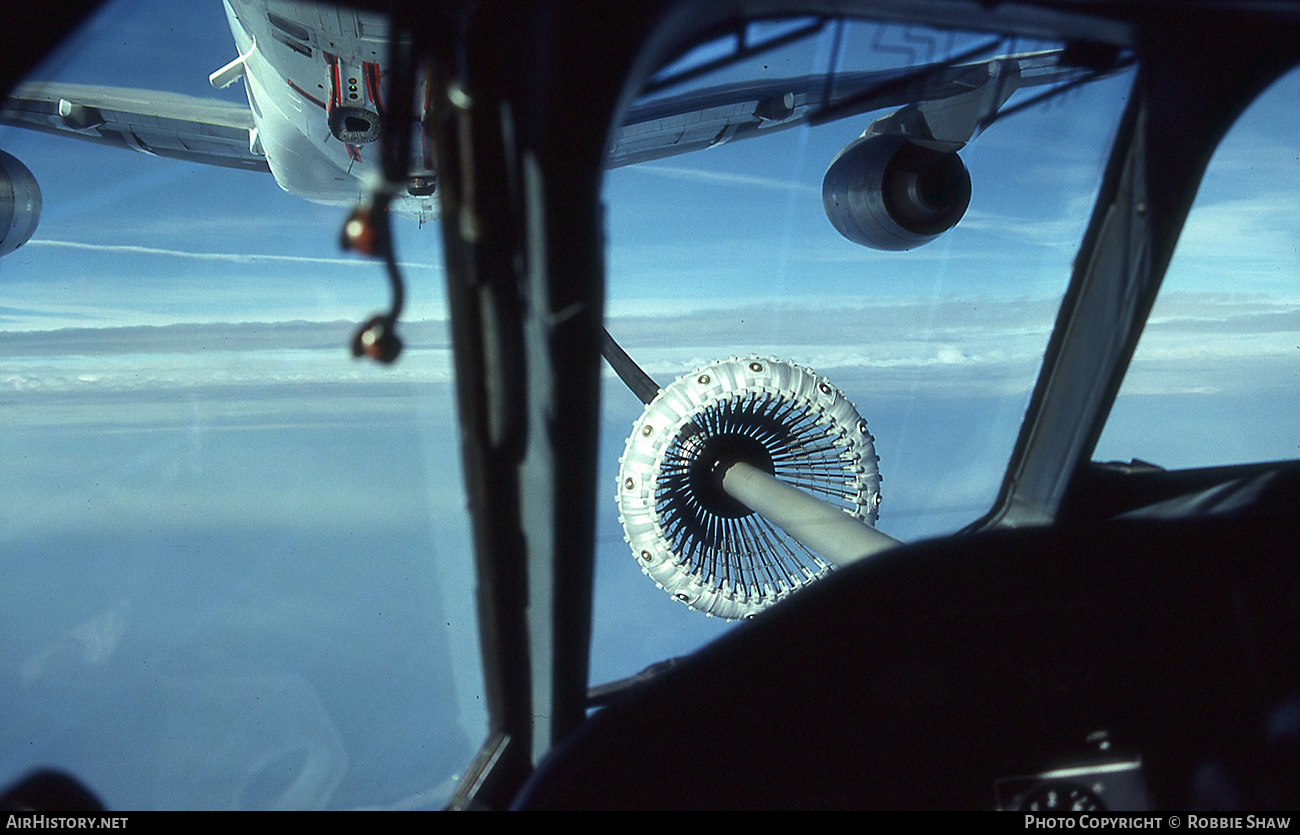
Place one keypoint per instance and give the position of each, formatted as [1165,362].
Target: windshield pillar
[523,108]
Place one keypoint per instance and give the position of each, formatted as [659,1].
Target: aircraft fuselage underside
[315,78]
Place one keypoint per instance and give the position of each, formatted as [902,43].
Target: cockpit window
[1213,380]
[929,309]
[238,568]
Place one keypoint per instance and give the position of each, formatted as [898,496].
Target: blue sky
[118,229]
[253,553]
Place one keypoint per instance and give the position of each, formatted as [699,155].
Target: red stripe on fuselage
[308,96]
[336,93]
[370,72]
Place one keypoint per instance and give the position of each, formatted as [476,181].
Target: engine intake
[20,203]
[887,192]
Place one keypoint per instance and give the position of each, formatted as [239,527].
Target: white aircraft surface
[316,80]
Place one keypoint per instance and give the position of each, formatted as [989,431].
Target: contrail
[230,257]
[679,173]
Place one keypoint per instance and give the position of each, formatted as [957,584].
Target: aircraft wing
[222,133]
[164,124]
[675,125]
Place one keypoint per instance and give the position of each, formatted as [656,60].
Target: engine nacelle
[20,203]
[887,192]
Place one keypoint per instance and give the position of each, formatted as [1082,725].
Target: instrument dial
[1062,797]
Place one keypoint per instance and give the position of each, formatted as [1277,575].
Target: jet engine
[20,203]
[885,191]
